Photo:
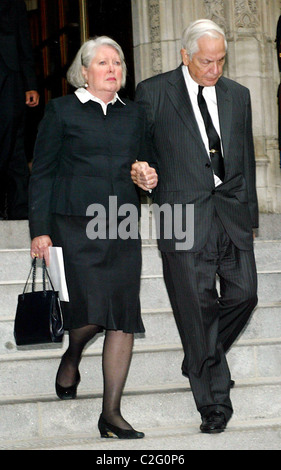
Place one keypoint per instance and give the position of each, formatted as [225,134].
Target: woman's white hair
[85,56]
[196,30]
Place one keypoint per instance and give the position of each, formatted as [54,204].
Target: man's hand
[31,98]
[144,176]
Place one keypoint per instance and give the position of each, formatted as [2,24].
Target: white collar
[209,91]
[84,96]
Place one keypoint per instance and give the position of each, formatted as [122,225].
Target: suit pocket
[242,196]
[174,197]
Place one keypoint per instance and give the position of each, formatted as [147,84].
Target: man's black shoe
[213,423]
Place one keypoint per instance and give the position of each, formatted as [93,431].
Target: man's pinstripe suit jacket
[185,175]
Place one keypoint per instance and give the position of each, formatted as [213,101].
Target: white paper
[56,271]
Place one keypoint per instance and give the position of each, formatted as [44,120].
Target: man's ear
[185,57]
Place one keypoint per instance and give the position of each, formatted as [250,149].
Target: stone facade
[250,27]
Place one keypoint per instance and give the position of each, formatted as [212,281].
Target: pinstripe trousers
[208,321]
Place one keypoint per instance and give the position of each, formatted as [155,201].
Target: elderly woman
[86,145]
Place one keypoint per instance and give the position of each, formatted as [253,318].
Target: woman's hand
[40,247]
[144,175]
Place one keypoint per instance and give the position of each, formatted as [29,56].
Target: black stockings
[117,354]
[78,339]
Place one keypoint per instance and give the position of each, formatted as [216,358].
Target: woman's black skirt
[103,277]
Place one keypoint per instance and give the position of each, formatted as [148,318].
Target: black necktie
[214,140]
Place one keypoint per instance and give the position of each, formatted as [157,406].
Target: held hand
[144,176]
[40,247]
[31,98]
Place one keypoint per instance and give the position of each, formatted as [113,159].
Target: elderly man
[201,127]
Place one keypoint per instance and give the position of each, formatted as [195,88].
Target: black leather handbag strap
[33,267]
[44,274]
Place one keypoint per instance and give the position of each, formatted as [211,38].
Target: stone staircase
[157,397]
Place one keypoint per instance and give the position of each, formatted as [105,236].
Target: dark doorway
[55,34]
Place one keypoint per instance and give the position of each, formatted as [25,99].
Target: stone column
[250,26]
[252,61]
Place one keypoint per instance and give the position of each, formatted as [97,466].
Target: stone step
[15,234]
[15,266]
[53,420]
[153,293]
[151,365]
[267,254]
[15,263]
[156,393]
[171,442]
[161,328]
[270,227]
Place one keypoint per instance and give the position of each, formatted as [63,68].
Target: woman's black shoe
[68,393]
[108,430]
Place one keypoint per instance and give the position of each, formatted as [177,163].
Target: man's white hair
[198,29]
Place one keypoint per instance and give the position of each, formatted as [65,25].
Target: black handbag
[38,316]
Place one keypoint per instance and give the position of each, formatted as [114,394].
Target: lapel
[224,101]
[178,94]
[179,97]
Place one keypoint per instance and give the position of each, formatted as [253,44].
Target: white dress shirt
[211,101]
[84,96]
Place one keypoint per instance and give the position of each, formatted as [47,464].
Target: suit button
[207,165]
[213,191]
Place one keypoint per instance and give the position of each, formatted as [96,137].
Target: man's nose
[216,68]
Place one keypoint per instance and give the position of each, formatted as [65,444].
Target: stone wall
[250,27]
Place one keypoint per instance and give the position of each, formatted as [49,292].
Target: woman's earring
[86,85]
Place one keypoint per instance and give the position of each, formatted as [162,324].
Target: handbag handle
[44,272]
